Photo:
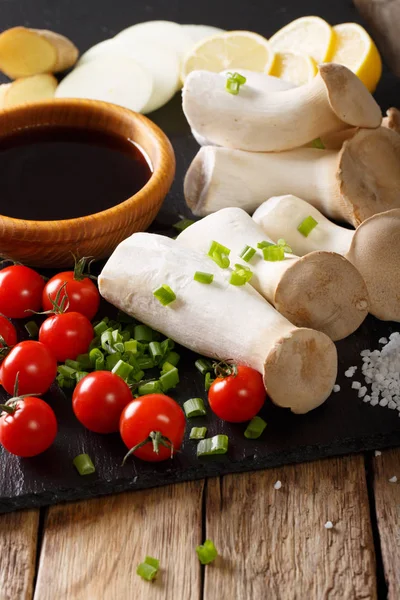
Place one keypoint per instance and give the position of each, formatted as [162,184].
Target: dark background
[343,424]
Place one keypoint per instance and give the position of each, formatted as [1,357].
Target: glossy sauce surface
[50,173]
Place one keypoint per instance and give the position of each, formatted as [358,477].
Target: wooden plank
[273,542]
[383,18]
[387,502]
[18,542]
[91,549]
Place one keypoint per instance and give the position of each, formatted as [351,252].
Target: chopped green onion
[241,275]
[317,143]
[106,341]
[170,379]
[66,371]
[198,433]
[172,358]
[167,366]
[97,359]
[247,253]
[307,225]
[282,244]
[146,571]
[233,83]
[219,254]
[32,328]
[273,253]
[131,346]
[80,375]
[262,245]
[203,277]
[207,552]
[100,328]
[167,345]
[145,362]
[164,295]
[151,387]
[126,335]
[154,562]
[123,369]
[74,364]
[194,407]
[95,343]
[155,351]
[112,360]
[183,224]
[136,377]
[203,365]
[84,361]
[255,428]
[142,333]
[83,464]
[208,381]
[211,446]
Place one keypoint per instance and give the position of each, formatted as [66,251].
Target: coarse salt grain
[362,391]
[336,388]
[378,453]
[383,340]
[393,479]
[278,485]
[356,385]
[328,525]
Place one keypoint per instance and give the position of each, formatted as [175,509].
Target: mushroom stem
[373,248]
[352,184]
[299,366]
[265,121]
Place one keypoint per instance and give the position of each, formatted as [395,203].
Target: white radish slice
[160,61]
[169,33]
[200,32]
[117,80]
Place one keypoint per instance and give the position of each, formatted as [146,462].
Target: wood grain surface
[91,549]
[18,543]
[273,542]
[387,503]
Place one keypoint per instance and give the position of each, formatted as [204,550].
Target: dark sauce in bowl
[51,173]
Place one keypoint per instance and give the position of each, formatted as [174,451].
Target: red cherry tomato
[35,365]
[83,295]
[20,291]
[30,429]
[239,397]
[67,335]
[99,399]
[154,412]
[7,332]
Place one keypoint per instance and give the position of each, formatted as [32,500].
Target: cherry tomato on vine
[35,365]
[83,295]
[30,429]
[239,396]
[157,416]
[7,332]
[20,291]
[99,399]
[66,335]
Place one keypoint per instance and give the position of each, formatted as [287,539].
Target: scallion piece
[194,407]
[233,82]
[170,379]
[283,244]
[198,433]
[207,552]
[80,375]
[146,571]
[183,224]
[307,225]
[112,360]
[97,359]
[123,369]
[218,444]
[255,428]
[106,341]
[317,143]
[66,371]
[208,381]
[262,245]
[155,351]
[203,365]
[145,362]
[84,361]
[273,253]
[100,328]
[164,295]
[154,562]
[131,346]
[172,358]
[83,464]
[32,328]
[201,277]
[136,377]
[167,366]
[241,275]
[247,253]
[151,387]
[143,334]
[219,254]
[74,364]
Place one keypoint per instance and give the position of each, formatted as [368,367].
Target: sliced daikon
[162,62]
[200,32]
[168,33]
[119,81]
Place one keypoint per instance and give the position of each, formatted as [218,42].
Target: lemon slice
[308,35]
[355,49]
[230,50]
[296,68]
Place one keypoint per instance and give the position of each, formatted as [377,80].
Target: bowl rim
[157,177]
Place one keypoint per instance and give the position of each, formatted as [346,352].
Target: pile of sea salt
[381,371]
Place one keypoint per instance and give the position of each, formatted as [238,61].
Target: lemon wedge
[296,68]
[230,50]
[355,49]
[308,35]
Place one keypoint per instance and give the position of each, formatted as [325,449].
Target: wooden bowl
[53,243]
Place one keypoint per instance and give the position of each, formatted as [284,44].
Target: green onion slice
[194,407]
[203,365]
[198,433]
[66,371]
[151,387]
[212,446]
[143,334]
[208,381]
[169,379]
[219,254]
[233,82]
[83,464]
[172,358]
[100,328]
[207,552]
[262,245]
[283,244]
[274,253]
[146,571]
[307,225]
[201,277]
[241,275]
[154,562]
[255,428]
[317,143]
[32,329]
[247,253]
[123,369]
[183,224]
[156,352]
[164,295]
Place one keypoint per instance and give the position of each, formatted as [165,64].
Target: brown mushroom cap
[375,251]
[323,291]
[348,97]
[392,119]
[369,174]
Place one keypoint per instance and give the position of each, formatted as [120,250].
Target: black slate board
[343,424]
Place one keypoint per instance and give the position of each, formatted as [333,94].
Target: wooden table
[272,543]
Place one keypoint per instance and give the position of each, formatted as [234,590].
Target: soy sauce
[49,173]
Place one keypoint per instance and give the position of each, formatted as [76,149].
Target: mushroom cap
[375,251]
[348,97]
[392,119]
[303,360]
[369,174]
[323,291]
